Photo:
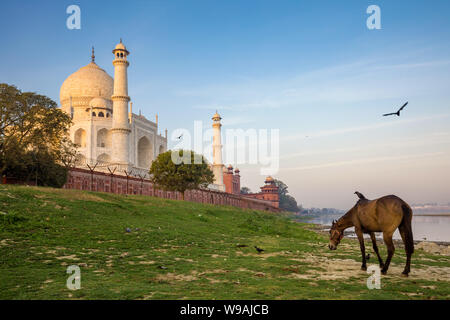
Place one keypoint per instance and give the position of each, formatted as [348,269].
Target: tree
[34,138]
[287,202]
[187,175]
[245,190]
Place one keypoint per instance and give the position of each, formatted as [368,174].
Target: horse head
[336,235]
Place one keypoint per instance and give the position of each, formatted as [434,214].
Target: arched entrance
[145,153]
[80,138]
[103,138]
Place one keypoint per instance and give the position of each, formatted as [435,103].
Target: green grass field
[183,250]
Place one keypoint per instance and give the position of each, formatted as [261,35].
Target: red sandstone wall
[81,179]
[274,198]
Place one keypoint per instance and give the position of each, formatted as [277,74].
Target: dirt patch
[148,296]
[175,277]
[333,269]
[184,259]
[71,257]
[261,255]
[213,271]
[6,242]
[99,271]
[146,262]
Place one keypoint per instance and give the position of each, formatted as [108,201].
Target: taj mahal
[105,130]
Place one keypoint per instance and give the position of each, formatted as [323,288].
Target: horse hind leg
[387,237]
[375,248]
[408,250]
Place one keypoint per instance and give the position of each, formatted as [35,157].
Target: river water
[425,227]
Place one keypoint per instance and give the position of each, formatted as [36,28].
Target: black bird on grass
[259,249]
[397,113]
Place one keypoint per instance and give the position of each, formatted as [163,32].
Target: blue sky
[308,68]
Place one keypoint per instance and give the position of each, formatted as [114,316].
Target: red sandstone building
[269,192]
[232,180]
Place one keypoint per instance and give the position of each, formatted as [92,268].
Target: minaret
[217,151]
[120,126]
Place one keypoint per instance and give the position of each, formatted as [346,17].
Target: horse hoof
[363,268]
[384,272]
[404,274]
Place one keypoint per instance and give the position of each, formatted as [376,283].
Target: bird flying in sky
[397,113]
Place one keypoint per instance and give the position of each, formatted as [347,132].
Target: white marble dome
[88,81]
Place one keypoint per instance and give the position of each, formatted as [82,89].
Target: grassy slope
[45,230]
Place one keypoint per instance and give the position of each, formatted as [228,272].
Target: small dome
[98,103]
[269,179]
[121,47]
[216,117]
[237,170]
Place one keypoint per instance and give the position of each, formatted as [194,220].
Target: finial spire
[120,40]
[93,55]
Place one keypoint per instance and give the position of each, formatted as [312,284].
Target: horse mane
[360,196]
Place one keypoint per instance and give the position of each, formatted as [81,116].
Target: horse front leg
[375,248]
[360,236]
[387,237]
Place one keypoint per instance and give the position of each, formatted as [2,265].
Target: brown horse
[385,214]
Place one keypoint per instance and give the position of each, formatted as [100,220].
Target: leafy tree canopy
[34,137]
[245,190]
[181,176]
[287,202]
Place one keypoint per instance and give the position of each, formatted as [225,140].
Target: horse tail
[406,226]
